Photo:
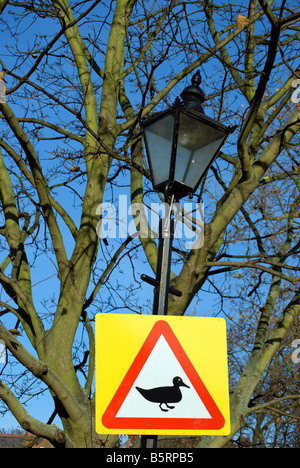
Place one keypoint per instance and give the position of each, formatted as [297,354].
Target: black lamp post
[181,144]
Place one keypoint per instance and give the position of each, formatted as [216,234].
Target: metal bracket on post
[154,282]
[162,281]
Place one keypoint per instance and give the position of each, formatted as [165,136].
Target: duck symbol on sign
[164,395]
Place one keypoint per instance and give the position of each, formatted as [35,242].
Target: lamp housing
[182,142]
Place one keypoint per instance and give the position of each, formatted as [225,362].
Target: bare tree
[80,76]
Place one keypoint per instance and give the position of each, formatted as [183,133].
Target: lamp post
[181,143]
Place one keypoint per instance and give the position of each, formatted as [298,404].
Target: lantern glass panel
[159,140]
[196,146]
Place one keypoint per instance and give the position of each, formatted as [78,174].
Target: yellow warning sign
[161,375]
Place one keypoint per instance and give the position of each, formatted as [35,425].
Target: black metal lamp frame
[191,106]
[171,186]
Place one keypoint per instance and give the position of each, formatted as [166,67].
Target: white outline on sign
[158,372]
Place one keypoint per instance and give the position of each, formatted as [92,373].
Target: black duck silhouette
[164,395]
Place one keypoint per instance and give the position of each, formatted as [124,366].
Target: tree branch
[268,405]
[42,189]
[40,370]
[51,432]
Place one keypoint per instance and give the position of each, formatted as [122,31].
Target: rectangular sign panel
[161,375]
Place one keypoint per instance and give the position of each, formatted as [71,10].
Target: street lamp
[181,144]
